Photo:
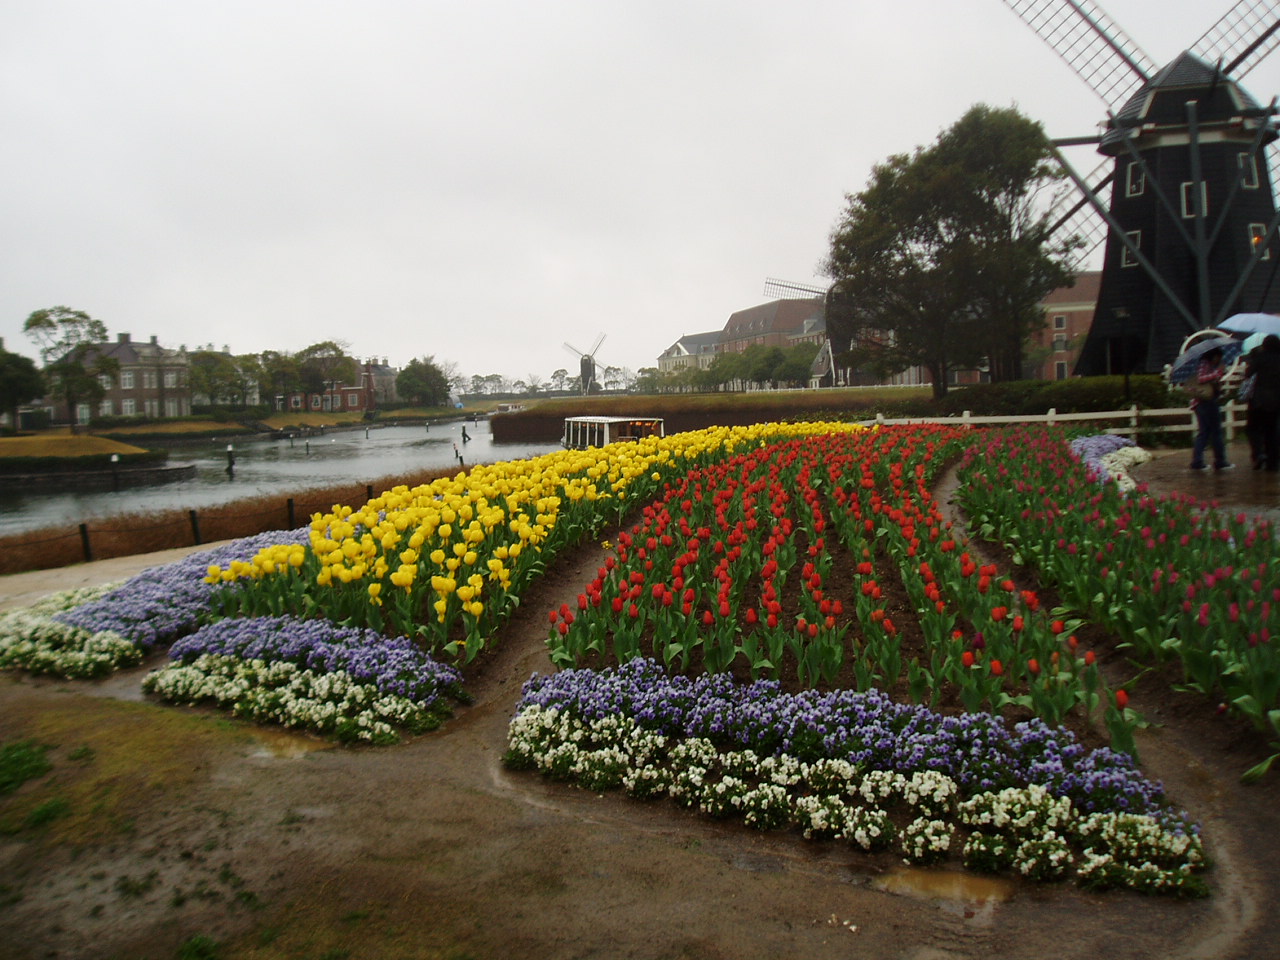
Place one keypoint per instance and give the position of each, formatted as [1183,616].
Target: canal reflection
[264,467]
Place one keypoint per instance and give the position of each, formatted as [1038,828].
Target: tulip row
[446,562]
[778,559]
[1173,578]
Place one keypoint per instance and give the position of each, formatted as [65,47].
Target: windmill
[587,366]
[1191,220]
[824,367]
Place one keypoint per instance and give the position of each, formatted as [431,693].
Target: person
[1264,367]
[465,437]
[1208,413]
[1252,415]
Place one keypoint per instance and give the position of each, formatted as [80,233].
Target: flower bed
[446,562]
[89,633]
[787,554]
[347,682]
[1174,579]
[858,768]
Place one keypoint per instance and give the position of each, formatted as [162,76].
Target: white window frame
[1127,259]
[171,407]
[126,380]
[1060,369]
[104,407]
[1060,321]
[1188,208]
[1135,179]
[1248,165]
[1059,343]
[127,407]
[1257,234]
[171,378]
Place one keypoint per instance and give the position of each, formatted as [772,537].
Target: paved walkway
[23,589]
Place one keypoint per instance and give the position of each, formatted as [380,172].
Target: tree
[323,365]
[280,375]
[20,382]
[248,377]
[423,382]
[796,363]
[559,379]
[941,260]
[212,375]
[70,348]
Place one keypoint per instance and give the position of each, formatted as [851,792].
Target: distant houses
[150,381]
[1051,352]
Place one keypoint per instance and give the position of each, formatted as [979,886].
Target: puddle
[944,885]
[274,744]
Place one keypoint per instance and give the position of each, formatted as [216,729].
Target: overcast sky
[479,181]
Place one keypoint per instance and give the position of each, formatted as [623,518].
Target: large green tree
[422,381]
[212,375]
[70,344]
[942,259]
[20,382]
[325,364]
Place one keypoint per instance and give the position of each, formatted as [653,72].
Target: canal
[264,467]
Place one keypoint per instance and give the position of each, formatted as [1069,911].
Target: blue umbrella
[1252,323]
[1184,367]
[1251,341]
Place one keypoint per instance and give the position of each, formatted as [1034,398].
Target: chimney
[155,341]
[122,338]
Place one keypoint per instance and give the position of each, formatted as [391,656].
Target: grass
[781,404]
[129,758]
[62,445]
[20,761]
[176,428]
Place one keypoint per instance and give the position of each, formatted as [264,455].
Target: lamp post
[1122,315]
[231,460]
[115,472]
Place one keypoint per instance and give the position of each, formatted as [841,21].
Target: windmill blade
[596,345]
[572,349]
[1242,38]
[789,290]
[1072,214]
[1090,43]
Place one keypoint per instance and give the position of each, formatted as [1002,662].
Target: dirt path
[276,846]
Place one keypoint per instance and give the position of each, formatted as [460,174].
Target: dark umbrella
[1184,368]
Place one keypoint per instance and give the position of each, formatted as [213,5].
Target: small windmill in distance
[587,366]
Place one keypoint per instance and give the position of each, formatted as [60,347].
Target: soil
[275,845]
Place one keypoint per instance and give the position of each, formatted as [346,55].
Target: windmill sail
[1242,38]
[1191,210]
[1090,43]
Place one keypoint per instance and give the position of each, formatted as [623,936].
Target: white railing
[1134,419]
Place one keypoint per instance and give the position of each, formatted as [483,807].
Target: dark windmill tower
[587,366]
[1191,219]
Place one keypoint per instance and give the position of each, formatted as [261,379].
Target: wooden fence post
[195,526]
[84,543]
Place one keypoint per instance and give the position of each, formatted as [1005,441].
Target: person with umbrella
[1264,402]
[1208,411]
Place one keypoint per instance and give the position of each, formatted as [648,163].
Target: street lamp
[1122,315]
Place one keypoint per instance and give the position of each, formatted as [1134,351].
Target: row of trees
[942,260]
[757,365]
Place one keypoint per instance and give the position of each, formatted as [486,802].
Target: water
[267,467]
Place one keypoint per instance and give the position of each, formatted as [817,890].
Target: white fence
[1132,421]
